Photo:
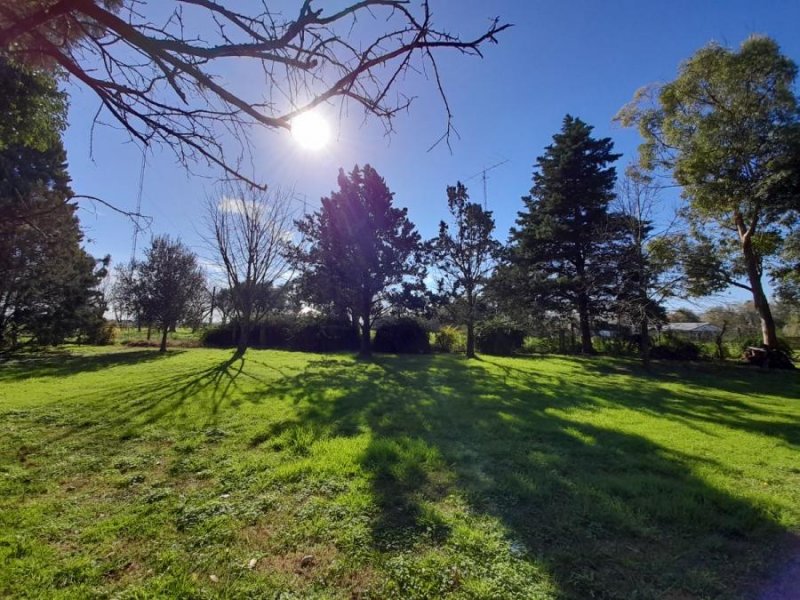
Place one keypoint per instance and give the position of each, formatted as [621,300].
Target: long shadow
[610,514]
[58,364]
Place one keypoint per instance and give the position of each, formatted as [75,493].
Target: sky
[581,57]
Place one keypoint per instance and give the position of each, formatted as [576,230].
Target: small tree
[465,257]
[648,273]
[249,231]
[171,279]
[358,249]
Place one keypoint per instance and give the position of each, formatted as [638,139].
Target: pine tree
[360,251]
[564,246]
[47,279]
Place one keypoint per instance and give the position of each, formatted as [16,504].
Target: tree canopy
[359,251]
[563,245]
[464,257]
[728,130]
[47,280]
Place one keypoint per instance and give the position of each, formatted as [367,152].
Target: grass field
[129,474]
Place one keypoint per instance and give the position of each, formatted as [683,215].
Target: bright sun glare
[310,130]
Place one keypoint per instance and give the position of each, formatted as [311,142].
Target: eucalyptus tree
[728,130]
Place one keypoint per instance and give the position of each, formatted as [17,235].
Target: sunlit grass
[134,474]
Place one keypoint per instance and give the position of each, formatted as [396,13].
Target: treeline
[587,253]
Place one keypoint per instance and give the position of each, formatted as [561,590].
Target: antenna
[484,178]
[136,227]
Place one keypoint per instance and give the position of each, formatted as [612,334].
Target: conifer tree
[359,250]
[564,247]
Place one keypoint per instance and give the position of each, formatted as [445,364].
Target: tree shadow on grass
[64,364]
[610,514]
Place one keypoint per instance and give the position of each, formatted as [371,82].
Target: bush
[220,336]
[449,339]
[324,335]
[402,336]
[285,333]
[103,333]
[673,348]
[500,338]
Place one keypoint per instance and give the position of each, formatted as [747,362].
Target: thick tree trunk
[366,331]
[164,332]
[585,325]
[244,337]
[470,339]
[769,334]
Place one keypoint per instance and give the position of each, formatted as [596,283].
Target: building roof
[690,327]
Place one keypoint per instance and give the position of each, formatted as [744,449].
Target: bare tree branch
[162,81]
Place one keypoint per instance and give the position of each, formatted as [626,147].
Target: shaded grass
[129,474]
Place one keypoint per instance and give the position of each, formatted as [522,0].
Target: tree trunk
[163,347]
[470,339]
[244,337]
[769,335]
[470,324]
[586,330]
[366,329]
[644,341]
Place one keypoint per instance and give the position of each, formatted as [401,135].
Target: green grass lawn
[129,474]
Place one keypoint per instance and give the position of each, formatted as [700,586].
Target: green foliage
[403,335]
[500,337]
[708,127]
[464,258]
[565,247]
[46,278]
[449,339]
[307,334]
[34,110]
[675,348]
[359,250]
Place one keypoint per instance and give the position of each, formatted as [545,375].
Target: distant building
[700,332]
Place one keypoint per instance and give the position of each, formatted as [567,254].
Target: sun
[311,130]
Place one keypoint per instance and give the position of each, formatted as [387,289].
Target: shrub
[402,336]
[324,335]
[274,332]
[103,333]
[449,339]
[285,333]
[220,336]
[500,338]
[674,348]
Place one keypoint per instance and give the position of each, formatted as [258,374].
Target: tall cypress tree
[564,246]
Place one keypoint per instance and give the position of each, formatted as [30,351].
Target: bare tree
[156,65]
[649,273]
[249,230]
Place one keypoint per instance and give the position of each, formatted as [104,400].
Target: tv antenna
[136,227]
[484,178]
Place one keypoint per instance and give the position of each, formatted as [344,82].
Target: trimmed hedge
[674,348]
[402,336]
[307,334]
[499,338]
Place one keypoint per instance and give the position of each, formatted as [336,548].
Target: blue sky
[586,58]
